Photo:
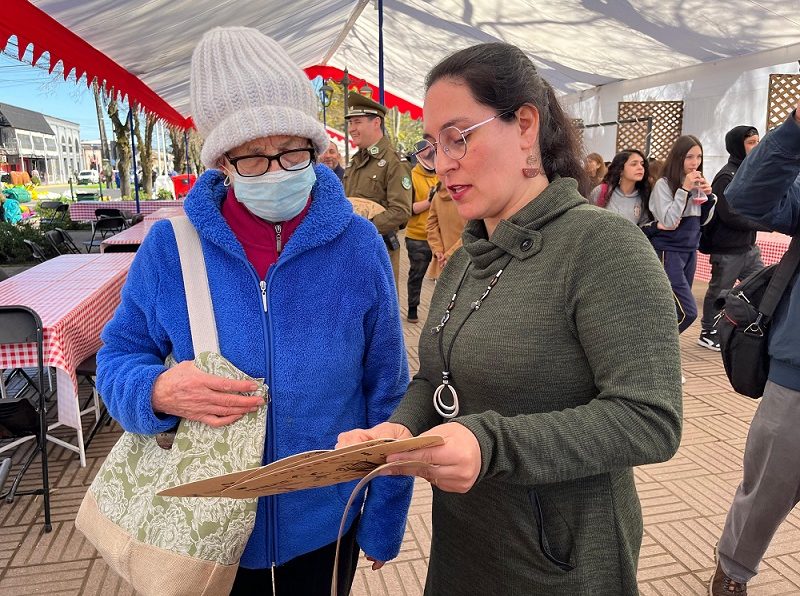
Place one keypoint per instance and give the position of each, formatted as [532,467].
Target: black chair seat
[87,368]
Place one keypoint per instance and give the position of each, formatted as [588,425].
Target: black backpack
[744,321]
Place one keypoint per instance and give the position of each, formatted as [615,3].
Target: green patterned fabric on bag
[212,529]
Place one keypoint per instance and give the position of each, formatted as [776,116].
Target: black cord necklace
[443,409]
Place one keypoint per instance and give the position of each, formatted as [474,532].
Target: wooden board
[304,470]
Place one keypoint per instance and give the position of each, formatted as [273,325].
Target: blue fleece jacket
[330,346]
[766,189]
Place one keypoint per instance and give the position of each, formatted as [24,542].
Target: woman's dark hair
[617,166]
[673,166]
[501,76]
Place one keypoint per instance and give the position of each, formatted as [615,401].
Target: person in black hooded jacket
[729,238]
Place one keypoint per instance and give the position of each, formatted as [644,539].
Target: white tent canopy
[577,44]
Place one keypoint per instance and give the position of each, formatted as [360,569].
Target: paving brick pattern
[684,502]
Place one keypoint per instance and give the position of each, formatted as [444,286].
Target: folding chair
[88,369]
[37,252]
[20,324]
[105,226]
[108,212]
[59,214]
[61,242]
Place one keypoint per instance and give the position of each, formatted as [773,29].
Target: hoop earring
[227,182]
[533,169]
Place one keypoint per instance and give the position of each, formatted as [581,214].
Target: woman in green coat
[550,361]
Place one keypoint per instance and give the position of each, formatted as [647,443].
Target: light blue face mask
[275,196]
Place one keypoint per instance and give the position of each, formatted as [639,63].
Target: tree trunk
[178,149]
[122,136]
[195,145]
[145,145]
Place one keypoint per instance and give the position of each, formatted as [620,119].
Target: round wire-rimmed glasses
[290,160]
[452,140]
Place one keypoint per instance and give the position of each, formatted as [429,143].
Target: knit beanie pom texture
[245,86]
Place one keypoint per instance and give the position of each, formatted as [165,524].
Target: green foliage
[12,248]
[164,195]
[35,180]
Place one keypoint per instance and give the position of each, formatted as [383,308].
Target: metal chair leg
[5,468]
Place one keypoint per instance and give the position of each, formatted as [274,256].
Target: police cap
[363,106]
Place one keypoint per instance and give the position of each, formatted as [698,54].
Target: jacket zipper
[272,513]
[263,285]
[272,509]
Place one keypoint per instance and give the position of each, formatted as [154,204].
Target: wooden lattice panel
[577,124]
[784,91]
[665,126]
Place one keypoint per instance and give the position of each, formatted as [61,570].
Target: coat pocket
[555,537]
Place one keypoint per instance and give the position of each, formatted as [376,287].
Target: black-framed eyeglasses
[453,142]
[291,160]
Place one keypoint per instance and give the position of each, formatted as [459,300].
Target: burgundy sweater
[262,240]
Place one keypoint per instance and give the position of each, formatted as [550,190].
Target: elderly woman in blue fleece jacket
[303,296]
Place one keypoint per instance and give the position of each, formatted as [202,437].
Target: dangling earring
[227,182]
[533,169]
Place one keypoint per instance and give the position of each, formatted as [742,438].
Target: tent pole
[380,53]
[346,89]
[133,147]
[186,145]
[159,148]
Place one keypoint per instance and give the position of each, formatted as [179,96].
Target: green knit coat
[568,375]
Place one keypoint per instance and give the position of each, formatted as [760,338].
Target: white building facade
[38,144]
[68,158]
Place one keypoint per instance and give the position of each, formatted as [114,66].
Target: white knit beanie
[245,86]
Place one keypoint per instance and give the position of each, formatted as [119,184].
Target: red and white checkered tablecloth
[163,213]
[133,235]
[772,245]
[75,296]
[84,210]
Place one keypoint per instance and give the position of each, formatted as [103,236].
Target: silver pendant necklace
[449,411]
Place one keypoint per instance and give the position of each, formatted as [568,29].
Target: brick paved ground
[684,502]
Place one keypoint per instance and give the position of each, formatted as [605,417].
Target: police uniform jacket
[378,174]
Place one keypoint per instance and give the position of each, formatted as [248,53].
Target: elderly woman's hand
[187,392]
[453,467]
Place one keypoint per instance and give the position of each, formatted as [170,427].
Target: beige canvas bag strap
[195,282]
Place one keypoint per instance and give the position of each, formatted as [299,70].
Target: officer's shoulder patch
[406,182]
[381,163]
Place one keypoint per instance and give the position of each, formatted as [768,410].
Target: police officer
[377,173]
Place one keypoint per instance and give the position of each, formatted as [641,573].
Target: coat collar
[519,236]
[377,151]
[329,214]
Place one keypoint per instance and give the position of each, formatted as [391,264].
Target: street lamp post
[346,89]
[325,96]
[366,91]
